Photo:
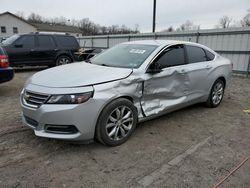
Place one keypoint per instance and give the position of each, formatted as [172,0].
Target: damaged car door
[166,82]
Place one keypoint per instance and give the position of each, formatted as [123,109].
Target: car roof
[46,34]
[161,42]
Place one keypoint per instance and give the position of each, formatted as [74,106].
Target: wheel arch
[222,78]
[130,98]
[64,54]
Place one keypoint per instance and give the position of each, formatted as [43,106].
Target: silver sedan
[105,97]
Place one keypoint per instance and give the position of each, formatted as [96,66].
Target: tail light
[4,62]
[232,65]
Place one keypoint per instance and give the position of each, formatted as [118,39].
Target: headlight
[70,98]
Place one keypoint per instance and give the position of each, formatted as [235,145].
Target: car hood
[77,75]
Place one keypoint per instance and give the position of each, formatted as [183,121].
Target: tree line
[87,26]
[223,22]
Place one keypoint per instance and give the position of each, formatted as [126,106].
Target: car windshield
[10,40]
[124,55]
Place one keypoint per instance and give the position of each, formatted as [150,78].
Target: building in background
[11,24]
[64,29]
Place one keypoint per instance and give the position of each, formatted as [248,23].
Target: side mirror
[18,45]
[154,68]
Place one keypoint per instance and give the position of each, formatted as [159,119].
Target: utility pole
[154,12]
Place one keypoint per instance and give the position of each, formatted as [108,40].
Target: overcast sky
[205,13]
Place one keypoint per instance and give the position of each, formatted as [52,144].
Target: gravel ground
[193,147]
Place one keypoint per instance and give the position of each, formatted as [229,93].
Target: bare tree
[104,30]
[170,29]
[225,21]
[245,22]
[85,25]
[35,18]
[136,30]
[73,22]
[188,25]
[59,20]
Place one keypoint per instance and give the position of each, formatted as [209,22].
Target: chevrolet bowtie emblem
[26,96]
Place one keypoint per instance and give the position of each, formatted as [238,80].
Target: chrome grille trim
[33,99]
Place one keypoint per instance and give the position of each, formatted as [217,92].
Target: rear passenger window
[45,41]
[195,54]
[210,56]
[26,41]
[172,56]
[67,41]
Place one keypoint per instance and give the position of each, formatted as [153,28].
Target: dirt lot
[193,147]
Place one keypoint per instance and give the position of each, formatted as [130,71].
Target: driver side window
[172,56]
[26,41]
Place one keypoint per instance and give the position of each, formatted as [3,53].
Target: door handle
[208,67]
[32,50]
[182,71]
[55,49]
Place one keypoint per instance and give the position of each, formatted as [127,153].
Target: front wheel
[117,122]
[63,60]
[216,94]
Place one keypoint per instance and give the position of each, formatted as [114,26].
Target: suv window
[172,56]
[195,54]
[26,41]
[45,41]
[67,41]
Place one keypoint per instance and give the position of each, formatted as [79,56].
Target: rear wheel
[63,60]
[117,122]
[216,94]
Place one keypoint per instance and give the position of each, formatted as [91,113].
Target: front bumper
[82,116]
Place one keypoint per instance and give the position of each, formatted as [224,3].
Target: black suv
[41,49]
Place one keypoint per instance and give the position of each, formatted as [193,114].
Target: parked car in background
[131,82]
[85,54]
[6,72]
[3,39]
[40,49]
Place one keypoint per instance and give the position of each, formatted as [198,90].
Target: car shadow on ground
[30,69]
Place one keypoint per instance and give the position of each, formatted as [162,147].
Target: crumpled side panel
[129,87]
[151,93]
[164,90]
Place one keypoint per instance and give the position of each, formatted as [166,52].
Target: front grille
[34,100]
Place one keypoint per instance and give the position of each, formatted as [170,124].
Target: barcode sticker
[137,51]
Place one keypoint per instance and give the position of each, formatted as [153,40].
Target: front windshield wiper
[105,65]
[88,61]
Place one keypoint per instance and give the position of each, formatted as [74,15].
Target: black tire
[211,102]
[102,130]
[63,60]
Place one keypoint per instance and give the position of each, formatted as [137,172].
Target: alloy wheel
[119,123]
[217,93]
[63,61]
